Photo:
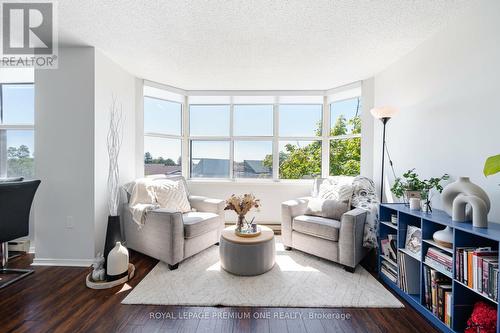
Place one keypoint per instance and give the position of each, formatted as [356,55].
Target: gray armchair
[172,236]
[338,241]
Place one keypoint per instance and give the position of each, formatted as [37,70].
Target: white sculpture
[463,186]
[479,210]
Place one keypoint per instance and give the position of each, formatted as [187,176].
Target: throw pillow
[335,191]
[331,209]
[171,194]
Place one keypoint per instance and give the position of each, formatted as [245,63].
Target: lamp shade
[384,112]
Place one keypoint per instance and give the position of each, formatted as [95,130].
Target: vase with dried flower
[241,205]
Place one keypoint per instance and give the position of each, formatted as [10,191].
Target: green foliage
[411,182]
[492,165]
[20,162]
[345,154]
[148,159]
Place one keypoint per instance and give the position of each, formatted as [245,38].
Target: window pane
[300,159]
[345,157]
[162,156]
[210,159]
[18,103]
[345,117]
[17,153]
[300,120]
[253,120]
[162,116]
[253,159]
[209,120]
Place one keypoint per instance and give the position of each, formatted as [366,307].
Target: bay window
[255,137]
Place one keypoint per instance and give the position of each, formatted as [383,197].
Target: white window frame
[291,97]
[12,127]
[163,135]
[329,127]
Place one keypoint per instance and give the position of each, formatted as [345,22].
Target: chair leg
[349,269]
[4,254]
[173,267]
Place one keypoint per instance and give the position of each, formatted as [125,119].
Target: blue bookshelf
[464,234]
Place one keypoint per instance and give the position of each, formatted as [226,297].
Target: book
[438,266]
[441,289]
[447,307]
[414,240]
[393,241]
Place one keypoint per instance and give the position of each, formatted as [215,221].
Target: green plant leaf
[492,165]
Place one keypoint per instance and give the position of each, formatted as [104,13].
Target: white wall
[64,145]
[72,115]
[111,80]
[271,195]
[448,93]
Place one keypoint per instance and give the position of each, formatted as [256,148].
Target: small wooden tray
[105,284]
[246,234]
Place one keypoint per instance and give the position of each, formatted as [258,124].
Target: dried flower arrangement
[241,205]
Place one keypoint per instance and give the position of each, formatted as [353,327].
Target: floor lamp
[383,113]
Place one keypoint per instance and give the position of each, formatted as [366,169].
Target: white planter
[117,265]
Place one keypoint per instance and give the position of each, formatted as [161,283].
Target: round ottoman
[247,256]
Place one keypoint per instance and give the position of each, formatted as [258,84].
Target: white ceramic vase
[444,237]
[462,185]
[117,265]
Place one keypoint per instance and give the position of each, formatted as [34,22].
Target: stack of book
[389,269]
[439,260]
[437,294]
[389,250]
[477,268]
[409,276]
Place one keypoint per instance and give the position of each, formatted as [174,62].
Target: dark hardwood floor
[55,299]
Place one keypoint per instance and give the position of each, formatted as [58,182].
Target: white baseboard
[62,262]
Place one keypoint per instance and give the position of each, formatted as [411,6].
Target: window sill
[269,182]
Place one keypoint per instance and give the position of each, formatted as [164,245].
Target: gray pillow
[11,179]
[331,209]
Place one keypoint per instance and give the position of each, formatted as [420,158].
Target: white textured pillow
[331,209]
[335,191]
[171,194]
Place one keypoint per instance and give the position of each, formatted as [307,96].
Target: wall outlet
[69,222]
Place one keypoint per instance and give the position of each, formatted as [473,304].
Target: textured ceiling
[245,44]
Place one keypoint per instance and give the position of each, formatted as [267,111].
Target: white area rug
[297,280]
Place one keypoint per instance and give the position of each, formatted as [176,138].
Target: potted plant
[428,185]
[407,187]
[411,186]
[241,205]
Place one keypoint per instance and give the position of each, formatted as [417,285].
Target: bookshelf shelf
[442,271]
[389,224]
[463,297]
[475,291]
[433,243]
[411,254]
[394,263]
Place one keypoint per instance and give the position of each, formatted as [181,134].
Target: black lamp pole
[384,122]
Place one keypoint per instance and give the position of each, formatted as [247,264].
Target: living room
[326,166]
